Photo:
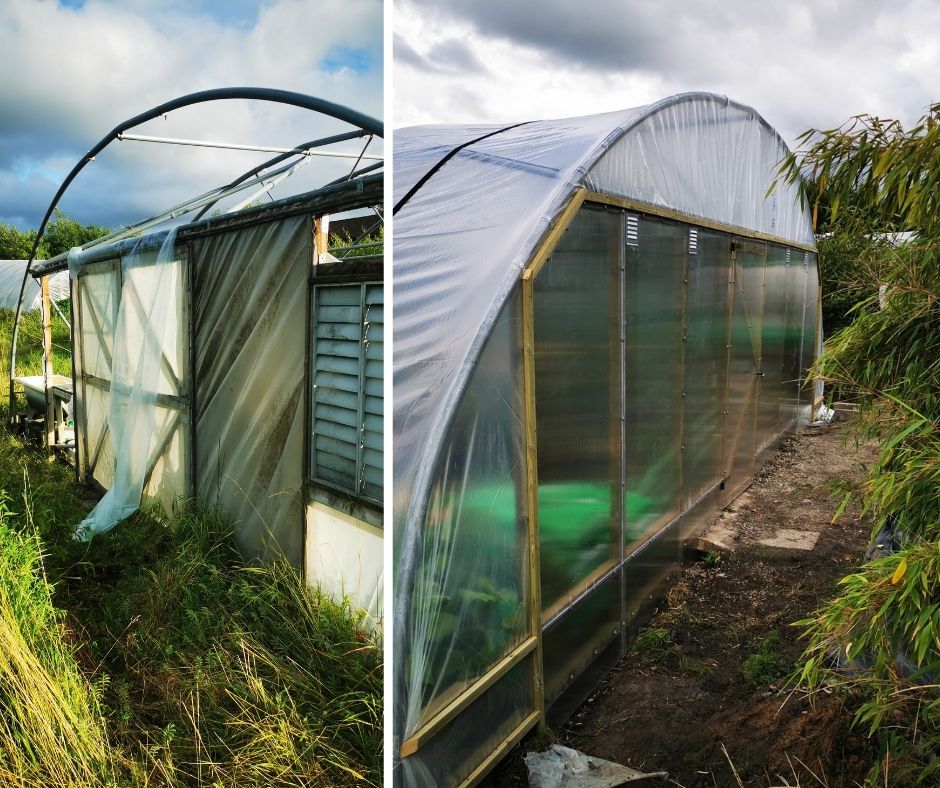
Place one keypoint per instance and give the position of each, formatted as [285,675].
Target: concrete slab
[719,536]
[791,539]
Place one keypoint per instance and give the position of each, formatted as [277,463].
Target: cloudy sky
[800,63]
[71,70]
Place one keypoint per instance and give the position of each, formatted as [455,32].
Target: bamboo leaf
[899,572]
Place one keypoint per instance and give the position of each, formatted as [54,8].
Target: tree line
[62,233]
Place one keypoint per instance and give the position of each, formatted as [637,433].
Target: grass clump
[653,644]
[264,680]
[766,664]
[157,655]
[52,729]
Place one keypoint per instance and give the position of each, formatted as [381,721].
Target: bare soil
[683,701]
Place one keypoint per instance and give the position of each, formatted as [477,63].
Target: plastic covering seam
[430,173]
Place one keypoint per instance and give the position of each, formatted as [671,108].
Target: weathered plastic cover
[11,278]
[250,335]
[463,237]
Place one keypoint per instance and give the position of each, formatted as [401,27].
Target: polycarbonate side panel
[169,476]
[147,376]
[738,437]
[575,640]
[792,374]
[577,405]
[811,326]
[706,157]
[169,461]
[453,753]
[468,605]
[250,306]
[706,362]
[773,328]
[653,359]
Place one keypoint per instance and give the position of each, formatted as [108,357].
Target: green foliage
[62,233]
[653,643]
[157,655]
[885,172]
[885,622]
[365,246]
[842,257]
[711,559]
[766,664]
[14,244]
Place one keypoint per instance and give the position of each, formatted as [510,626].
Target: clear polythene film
[706,157]
[468,605]
[11,279]
[146,329]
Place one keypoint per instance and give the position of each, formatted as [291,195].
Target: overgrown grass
[156,655]
[169,658]
[52,729]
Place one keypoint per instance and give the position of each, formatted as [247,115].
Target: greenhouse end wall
[234,412]
[667,356]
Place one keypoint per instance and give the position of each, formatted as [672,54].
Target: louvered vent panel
[633,230]
[347,388]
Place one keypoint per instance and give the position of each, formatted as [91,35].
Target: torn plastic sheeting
[560,767]
[140,337]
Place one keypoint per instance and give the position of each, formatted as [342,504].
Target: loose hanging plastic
[141,333]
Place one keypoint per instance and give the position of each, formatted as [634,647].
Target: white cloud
[69,76]
[801,64]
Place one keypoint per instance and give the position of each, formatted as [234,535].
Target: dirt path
[692,683]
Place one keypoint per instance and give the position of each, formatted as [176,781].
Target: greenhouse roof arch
[488,198]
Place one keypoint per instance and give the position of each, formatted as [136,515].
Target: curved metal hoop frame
[365,123]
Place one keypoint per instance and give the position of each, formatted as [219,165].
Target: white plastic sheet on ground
[563,767]
[141,333]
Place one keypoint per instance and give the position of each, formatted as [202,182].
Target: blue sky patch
[340,56]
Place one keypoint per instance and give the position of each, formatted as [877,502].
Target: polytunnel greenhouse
[601,325]
[236,358]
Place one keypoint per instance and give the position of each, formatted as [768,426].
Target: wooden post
[47,367]
[321,237]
